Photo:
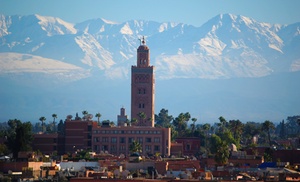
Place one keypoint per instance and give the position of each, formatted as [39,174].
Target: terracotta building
[142,87]
[48,143]
[78,134]
[84,133]
[116,140]
[190,145]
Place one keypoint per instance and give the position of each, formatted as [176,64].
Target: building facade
[142,88]
[86,134]
[117,139]
[78,134]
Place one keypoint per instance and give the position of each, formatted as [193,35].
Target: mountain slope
[232,65]
[227,46]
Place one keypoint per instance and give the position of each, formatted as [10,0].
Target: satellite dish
[69,117]
[89,116]
[122,156]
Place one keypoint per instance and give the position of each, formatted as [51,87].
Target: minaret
[142,88]
[122,118]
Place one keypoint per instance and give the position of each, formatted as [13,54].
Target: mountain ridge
[232,65]
[107,46]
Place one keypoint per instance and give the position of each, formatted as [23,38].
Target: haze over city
[199,66]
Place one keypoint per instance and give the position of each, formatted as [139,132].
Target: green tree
[54,116]
[220,150]
[85,113]
[142,117]
[135,146]
[193,126]
[163,119]
[206,128]
[282,130]
[181,123]
[236,128]
[222,154]
[61,127]
[267,126]
[20,139]
[133,121]
[250,130]
[98,115]
[42,119]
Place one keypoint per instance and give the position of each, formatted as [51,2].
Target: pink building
[116,140]
[142,87]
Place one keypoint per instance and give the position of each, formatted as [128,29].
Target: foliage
[163,119]
[220,149]
[98,115]
[61,127]
[20,137]
[267,126]
[181,123]
[135,146]
[42,119]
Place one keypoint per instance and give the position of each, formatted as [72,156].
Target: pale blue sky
[194,12]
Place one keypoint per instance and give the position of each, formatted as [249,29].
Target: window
[104,148]
[148,140]
[96,139]
[141,91]
[122,140]
[130,140]
[113,140]
[141,105]
[156,148]
[122,147]
[156,140]
[140,140]
[188,147]
[113,147]
[148,148]
[105,139]
[95,147]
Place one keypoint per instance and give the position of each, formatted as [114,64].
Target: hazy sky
[194,12]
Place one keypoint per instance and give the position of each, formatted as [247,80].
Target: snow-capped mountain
[236,67]
[224,47]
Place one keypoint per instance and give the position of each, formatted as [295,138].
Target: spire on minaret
[142,41]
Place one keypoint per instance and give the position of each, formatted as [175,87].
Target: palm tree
[134,121]
[193,125]
[54,116]
[142,117]
[206,128]
[84,114]
[42,119]
[267,126]
[135,146]
[98,115]
[236,127]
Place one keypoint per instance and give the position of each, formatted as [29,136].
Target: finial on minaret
[142,41]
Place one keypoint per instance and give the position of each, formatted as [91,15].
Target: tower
[142,88]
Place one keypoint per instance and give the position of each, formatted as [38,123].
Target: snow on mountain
[224,47]
[229,61]
[55,26]
[95,54]
[19,63]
